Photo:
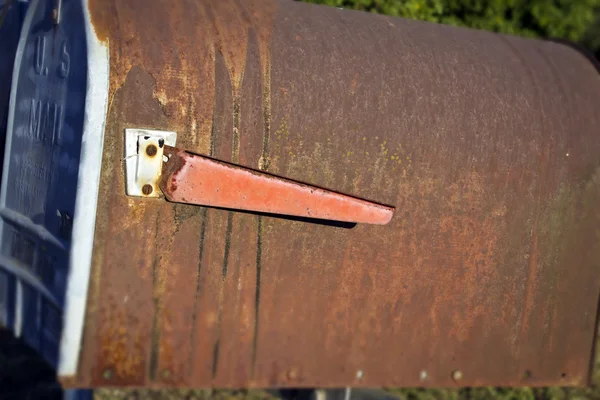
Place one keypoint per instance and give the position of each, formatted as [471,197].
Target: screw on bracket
[147,189]
[151,150]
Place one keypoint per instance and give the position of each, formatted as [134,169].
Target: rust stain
[265,159]
[177,297]
[179,58]
[122,352]
[231,24]
[470,263]
[354,84]
[111,296]
[262,15]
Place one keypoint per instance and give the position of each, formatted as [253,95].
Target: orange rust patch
[100,12]
[262,15]
[354,83]
[173,46]
[122,350]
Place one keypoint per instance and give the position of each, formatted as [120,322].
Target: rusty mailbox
[270,193]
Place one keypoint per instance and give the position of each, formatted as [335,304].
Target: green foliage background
[575,20]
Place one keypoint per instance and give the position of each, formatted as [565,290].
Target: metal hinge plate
[144,152]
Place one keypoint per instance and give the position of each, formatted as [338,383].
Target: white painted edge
[18,328]
[84,221]
[133,185]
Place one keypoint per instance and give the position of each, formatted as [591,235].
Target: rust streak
[158,283]
[201,258]
[263,163]
[531,278]
[226,255]
[198,288]
[259,250]
[235,150]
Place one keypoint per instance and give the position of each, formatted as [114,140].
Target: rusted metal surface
[487,145]
[195,179]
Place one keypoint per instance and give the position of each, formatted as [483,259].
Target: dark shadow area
[325,222]
[595,357]
[23,373]
[591,38]
[294,394]
[580,49]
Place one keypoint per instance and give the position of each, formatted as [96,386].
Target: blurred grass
[553,393]
[181,394]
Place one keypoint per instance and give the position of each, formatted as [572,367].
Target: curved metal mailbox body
[487,145]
